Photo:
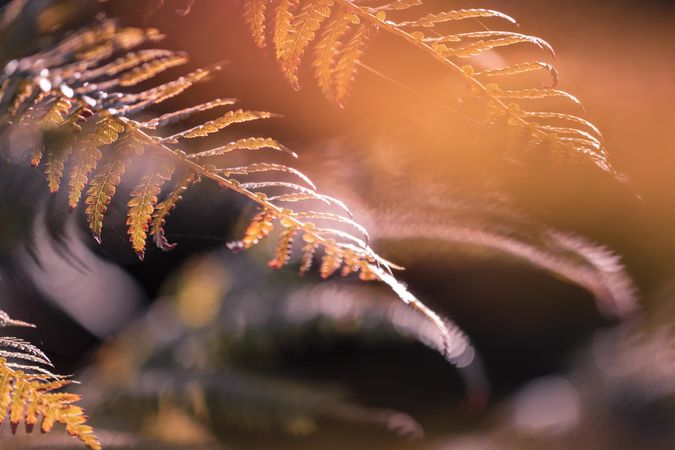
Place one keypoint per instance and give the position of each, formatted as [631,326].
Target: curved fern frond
[83,119]
[28,390]
[339,30]
[254,15]
[566,256]
[163,209]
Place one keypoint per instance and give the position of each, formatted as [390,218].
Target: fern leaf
[561,117]
[479,47]
[151,69]
[301,189]
[265,167]
[102,188]
[284,247]
[431,20]
[55,114]
[107,131]
[500,39]
[177,116]
[27,392]
[308,251]
[55,161]
[314,215]
[122,39]
[133,103]
[330,263]
[142,205]
[293,197]
[254,15]
[521,68]
[259,228]
[213,126]
[245,144]
[164,208]
[398,5]
[25,92]
[346,66]
[327,48]
[304,28]
[532,94]
[121,64]
[282,26]
[6,321]
[20,349]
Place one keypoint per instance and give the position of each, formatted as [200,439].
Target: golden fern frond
[347,63]
[55,162]
[102,188]
[28,390]
[345,25]
[283,15]
[244,144]
[327,49]
[163,209]
[143,202]
[213,126]
[303,31]
[254,15]
[106,131]
[176,116]
[82,125]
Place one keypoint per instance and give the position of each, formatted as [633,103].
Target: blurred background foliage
[200,348]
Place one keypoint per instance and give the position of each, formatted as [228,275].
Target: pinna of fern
[339,31]
[76,97]
[28,390]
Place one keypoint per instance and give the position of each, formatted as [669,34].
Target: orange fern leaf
[282,25]
[107,131]
[28,390]
[302,32]
[164,208]
[142,205]
[254,15]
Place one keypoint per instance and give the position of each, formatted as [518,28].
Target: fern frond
[347,63]
[163,209]
[91,124]
[521,68]
[308,251]
[431,20]
[497,229]
[106,132]
[148,70]
[28,391]
[283,252]
[254,15]
[244,144]
[327,49]
[282,25]
[102,188]
[336,61]
[176,116]
[213,126]
[263,168]
[304,27]
[54,164]
[129,61]
[142,204]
